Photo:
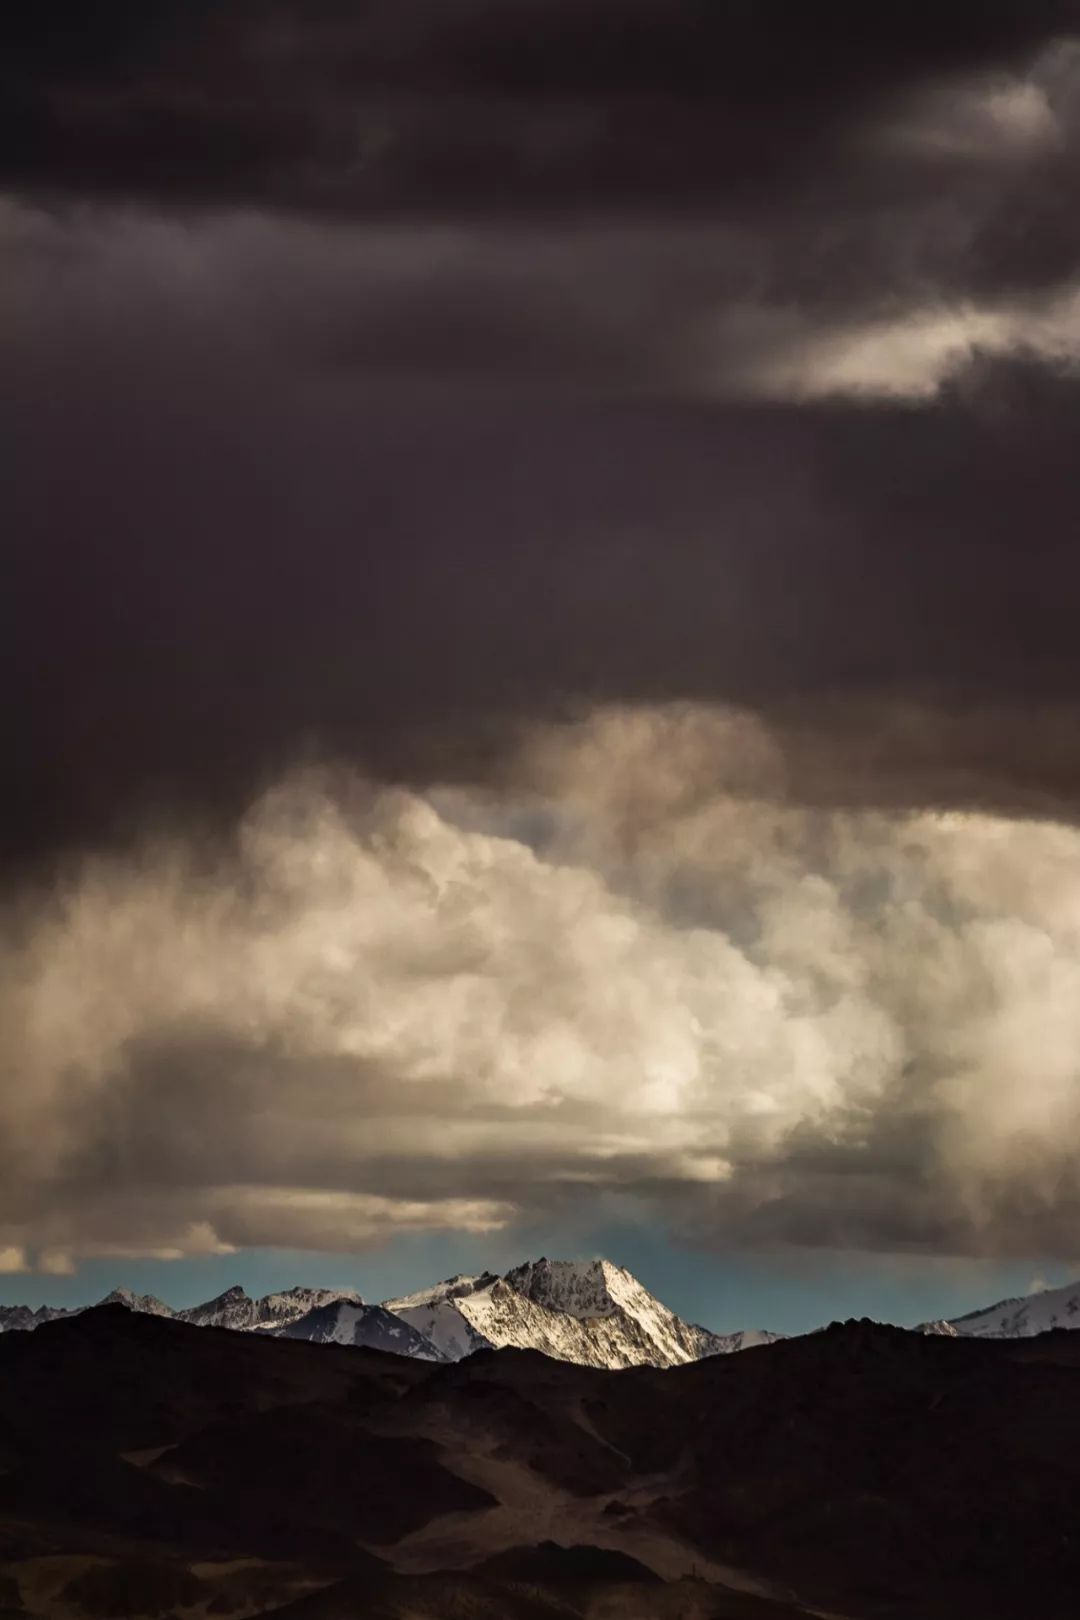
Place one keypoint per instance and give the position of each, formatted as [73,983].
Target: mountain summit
[588,1311]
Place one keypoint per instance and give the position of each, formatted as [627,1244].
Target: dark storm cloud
[247,525]
[646,431]
[408,103]
[839,158]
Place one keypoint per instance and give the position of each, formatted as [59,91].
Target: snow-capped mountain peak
[234,1308]
[589,1311]
[598,1290]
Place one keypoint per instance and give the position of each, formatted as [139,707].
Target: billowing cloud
[639,971]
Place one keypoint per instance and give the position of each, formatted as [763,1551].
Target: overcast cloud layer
[540,637]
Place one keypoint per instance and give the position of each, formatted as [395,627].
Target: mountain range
[591,1312]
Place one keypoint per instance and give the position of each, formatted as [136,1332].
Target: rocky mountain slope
[434,1313]
[370,1327]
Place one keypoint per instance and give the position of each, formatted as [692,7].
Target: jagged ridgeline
[590,1312]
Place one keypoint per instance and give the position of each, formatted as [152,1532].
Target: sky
[540,648]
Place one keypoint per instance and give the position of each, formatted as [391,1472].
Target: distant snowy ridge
[1016,1318]
[21,1319]
[235,1308]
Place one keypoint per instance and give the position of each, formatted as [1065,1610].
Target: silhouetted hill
[864,1470]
